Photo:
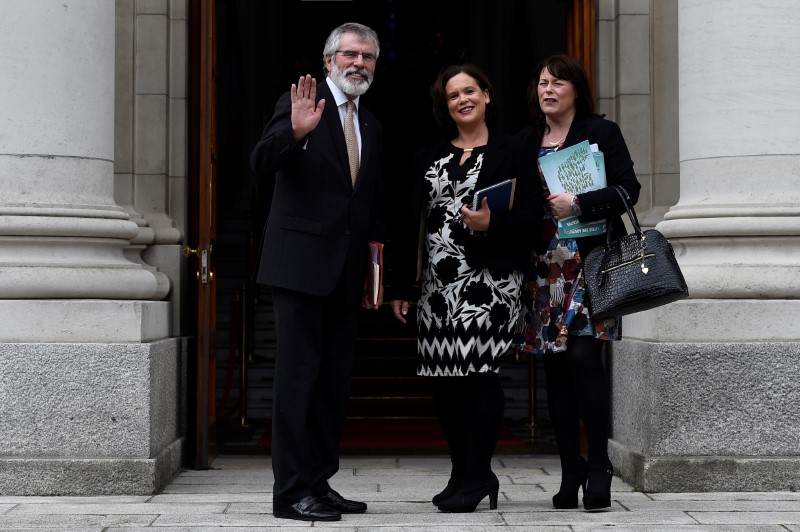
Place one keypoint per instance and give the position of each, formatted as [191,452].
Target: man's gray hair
[364,33]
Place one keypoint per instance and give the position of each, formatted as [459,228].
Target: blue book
[499,196]
[579,168]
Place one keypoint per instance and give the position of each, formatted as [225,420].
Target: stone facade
[704,390]
[93,165]
[93,381]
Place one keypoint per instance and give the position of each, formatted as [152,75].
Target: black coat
[603,203]
[508,242]
[319,224]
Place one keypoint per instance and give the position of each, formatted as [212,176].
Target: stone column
[739,208]
[706,389]
[62,234]
[90,379]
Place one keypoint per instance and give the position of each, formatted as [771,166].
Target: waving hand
[306,113]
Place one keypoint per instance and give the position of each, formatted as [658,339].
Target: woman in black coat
[560,326]
[472,270]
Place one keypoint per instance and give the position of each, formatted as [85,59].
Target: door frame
[202,207]
[581,37]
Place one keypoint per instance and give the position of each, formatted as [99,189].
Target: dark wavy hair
[441,113]
[567,68]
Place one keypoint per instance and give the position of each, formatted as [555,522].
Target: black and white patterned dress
[466,317]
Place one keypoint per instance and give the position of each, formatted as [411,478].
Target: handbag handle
[626,201]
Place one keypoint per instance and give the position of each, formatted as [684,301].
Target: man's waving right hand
[306,113]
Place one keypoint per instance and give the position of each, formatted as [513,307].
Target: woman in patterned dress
[560,325]
[471,274]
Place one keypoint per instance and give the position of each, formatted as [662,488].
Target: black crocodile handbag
[635,273]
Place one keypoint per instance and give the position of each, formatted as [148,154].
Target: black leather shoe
[345,506]
[308,508]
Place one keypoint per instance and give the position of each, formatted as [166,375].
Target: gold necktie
[350,139]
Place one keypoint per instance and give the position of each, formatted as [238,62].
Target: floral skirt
[553,297]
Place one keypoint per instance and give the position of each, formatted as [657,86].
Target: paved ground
[235,496]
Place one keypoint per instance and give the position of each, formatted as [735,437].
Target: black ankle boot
[597,495]
[467,497]
[571,482]
[447,492]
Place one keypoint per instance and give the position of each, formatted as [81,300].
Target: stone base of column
[91,418]
[698,474]
[90,476]
[704,397]
[83,320]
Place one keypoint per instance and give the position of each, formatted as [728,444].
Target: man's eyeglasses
[352,55]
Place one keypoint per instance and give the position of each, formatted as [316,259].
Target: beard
[353,88]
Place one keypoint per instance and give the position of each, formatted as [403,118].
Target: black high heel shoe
[447,492]
[597,495]
[571,482]
[470,494]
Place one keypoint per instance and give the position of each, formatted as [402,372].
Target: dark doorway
[263,47]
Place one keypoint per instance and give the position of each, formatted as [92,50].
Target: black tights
[577,389]
[470,410]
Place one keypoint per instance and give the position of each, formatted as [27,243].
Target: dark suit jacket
[319,224]
[511,235]
[603,203]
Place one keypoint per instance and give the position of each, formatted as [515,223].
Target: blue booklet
[499,196]
[577,169]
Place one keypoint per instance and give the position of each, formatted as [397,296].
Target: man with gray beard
[322,151]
